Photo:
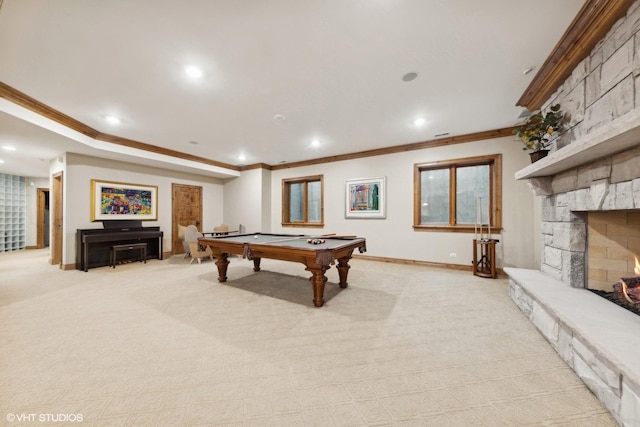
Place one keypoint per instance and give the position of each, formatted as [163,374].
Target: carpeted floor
[165,344]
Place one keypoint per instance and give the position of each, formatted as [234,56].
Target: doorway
[186,207]
[56,220]
[42,226]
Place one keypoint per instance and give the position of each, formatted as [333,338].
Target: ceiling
[276,75]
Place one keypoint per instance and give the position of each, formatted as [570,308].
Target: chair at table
[197,251]
[221,229]
[185,244]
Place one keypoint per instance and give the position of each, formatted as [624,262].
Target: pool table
[287,247]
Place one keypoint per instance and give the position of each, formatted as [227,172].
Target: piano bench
[142,247]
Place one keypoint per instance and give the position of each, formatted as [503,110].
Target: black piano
[93,245]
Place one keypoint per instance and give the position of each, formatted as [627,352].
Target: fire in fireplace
[626,292]
[629,287]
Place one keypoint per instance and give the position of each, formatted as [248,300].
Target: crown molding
[460,139]
[20,98]
[23,100]
[590,26]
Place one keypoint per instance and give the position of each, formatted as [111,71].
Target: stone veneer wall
[609,184]
[603,87]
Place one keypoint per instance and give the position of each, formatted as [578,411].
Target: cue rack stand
[484,248]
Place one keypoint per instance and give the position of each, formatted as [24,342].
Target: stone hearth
[599,340]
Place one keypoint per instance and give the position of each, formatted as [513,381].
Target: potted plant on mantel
[539,131]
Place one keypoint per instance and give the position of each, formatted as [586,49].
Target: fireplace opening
[613,268]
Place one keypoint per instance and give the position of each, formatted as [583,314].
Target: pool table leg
[222,264]
[343,270]
[256,264]
[317,283]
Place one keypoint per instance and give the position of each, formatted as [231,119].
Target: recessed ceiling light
[9,147]
[1,161]
[194,142]
[420,121]
[242,157]
[193,71]
[409,77]
[113,120]
[528,70]
[279,117]
[315,143]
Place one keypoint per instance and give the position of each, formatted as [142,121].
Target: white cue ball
[255,237]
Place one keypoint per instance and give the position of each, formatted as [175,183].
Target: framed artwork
[120,200]
[365,198]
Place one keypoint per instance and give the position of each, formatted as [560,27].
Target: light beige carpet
[165,344]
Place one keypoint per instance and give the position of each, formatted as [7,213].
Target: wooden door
[56,221]
[42,225]
[186,205]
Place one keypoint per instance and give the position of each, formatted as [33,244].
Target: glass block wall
[12,212]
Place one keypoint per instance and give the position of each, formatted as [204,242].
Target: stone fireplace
[589,187]
[590,234]
[595,199]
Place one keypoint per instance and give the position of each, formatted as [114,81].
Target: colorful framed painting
[120,200]
[365,198]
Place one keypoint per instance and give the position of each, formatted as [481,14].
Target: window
[454,195]
[303,202]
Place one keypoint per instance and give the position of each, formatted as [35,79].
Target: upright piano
[93,245]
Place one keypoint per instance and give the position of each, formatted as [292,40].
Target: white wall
[265,219]
[243,200]
[394,236]
[255,198]
[80,170]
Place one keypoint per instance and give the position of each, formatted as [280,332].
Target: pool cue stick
[288,239]
[489,218]
[335,236]
[480,199]
[475,222]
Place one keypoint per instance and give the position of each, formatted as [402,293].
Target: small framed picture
[365,198]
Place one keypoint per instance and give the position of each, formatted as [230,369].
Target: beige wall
[254,199]
[80,170]
[394,237]
[247,201]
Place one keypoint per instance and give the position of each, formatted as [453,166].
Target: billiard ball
[255,237]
